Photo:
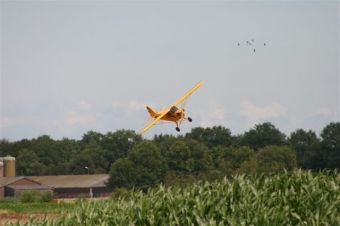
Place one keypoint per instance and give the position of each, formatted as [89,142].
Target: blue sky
[68,67]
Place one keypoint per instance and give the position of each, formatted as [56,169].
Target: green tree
[211,137]
[331,146]
[27,164]
[17,146]
[179,179]
[165,142]
[143,167]
[91,137]
[97,155]
[262,135]
[122,174]
[6,148]
[63,151]
[44,147]
[81,164]
[178,157]
[236,140]
[117,144]
[232,158]
[306,144]
[189,160]
[200,157]
[54,155]
[270,160]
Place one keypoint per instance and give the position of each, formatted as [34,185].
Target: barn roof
[8,180]
[73,181]
[29,187]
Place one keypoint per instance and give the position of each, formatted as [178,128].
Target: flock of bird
[251,44]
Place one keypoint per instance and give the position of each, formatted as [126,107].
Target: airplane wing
[147,127]
[185,96]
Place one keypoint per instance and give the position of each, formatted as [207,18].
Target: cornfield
[291,198]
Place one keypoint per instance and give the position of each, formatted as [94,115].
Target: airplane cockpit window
[173,109]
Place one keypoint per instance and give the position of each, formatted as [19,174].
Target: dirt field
[10,217]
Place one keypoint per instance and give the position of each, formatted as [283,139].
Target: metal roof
[72,181]
[30,187]
[8,180]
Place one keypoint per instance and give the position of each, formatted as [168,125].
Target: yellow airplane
[172,113]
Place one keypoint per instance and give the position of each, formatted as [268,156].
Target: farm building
[14,186]
[62,186]
[70,186]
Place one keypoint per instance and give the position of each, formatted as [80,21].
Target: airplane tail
[151,112]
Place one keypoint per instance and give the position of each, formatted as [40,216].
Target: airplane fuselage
[174,115]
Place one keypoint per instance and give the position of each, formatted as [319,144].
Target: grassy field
[15,206]
[297,198]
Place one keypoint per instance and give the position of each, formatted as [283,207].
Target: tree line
[202,154]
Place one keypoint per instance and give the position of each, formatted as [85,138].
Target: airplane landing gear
[189,119]
[177,129]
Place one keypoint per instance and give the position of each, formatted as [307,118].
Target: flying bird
[251,44]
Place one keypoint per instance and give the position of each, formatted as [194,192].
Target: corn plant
[295,198]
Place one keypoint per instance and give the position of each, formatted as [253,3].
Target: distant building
[14,186]
[71,186]
[62,186]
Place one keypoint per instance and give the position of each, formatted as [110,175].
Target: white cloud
[255,114]
[72,119]
[135,106]
[85,105]
[325,112]
[76,118]
[130,107]
[7,122]
[217,115]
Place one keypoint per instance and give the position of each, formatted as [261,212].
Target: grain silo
[9,166]
[1,168]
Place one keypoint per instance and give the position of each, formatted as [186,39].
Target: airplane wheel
[177,129]
[189,119]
